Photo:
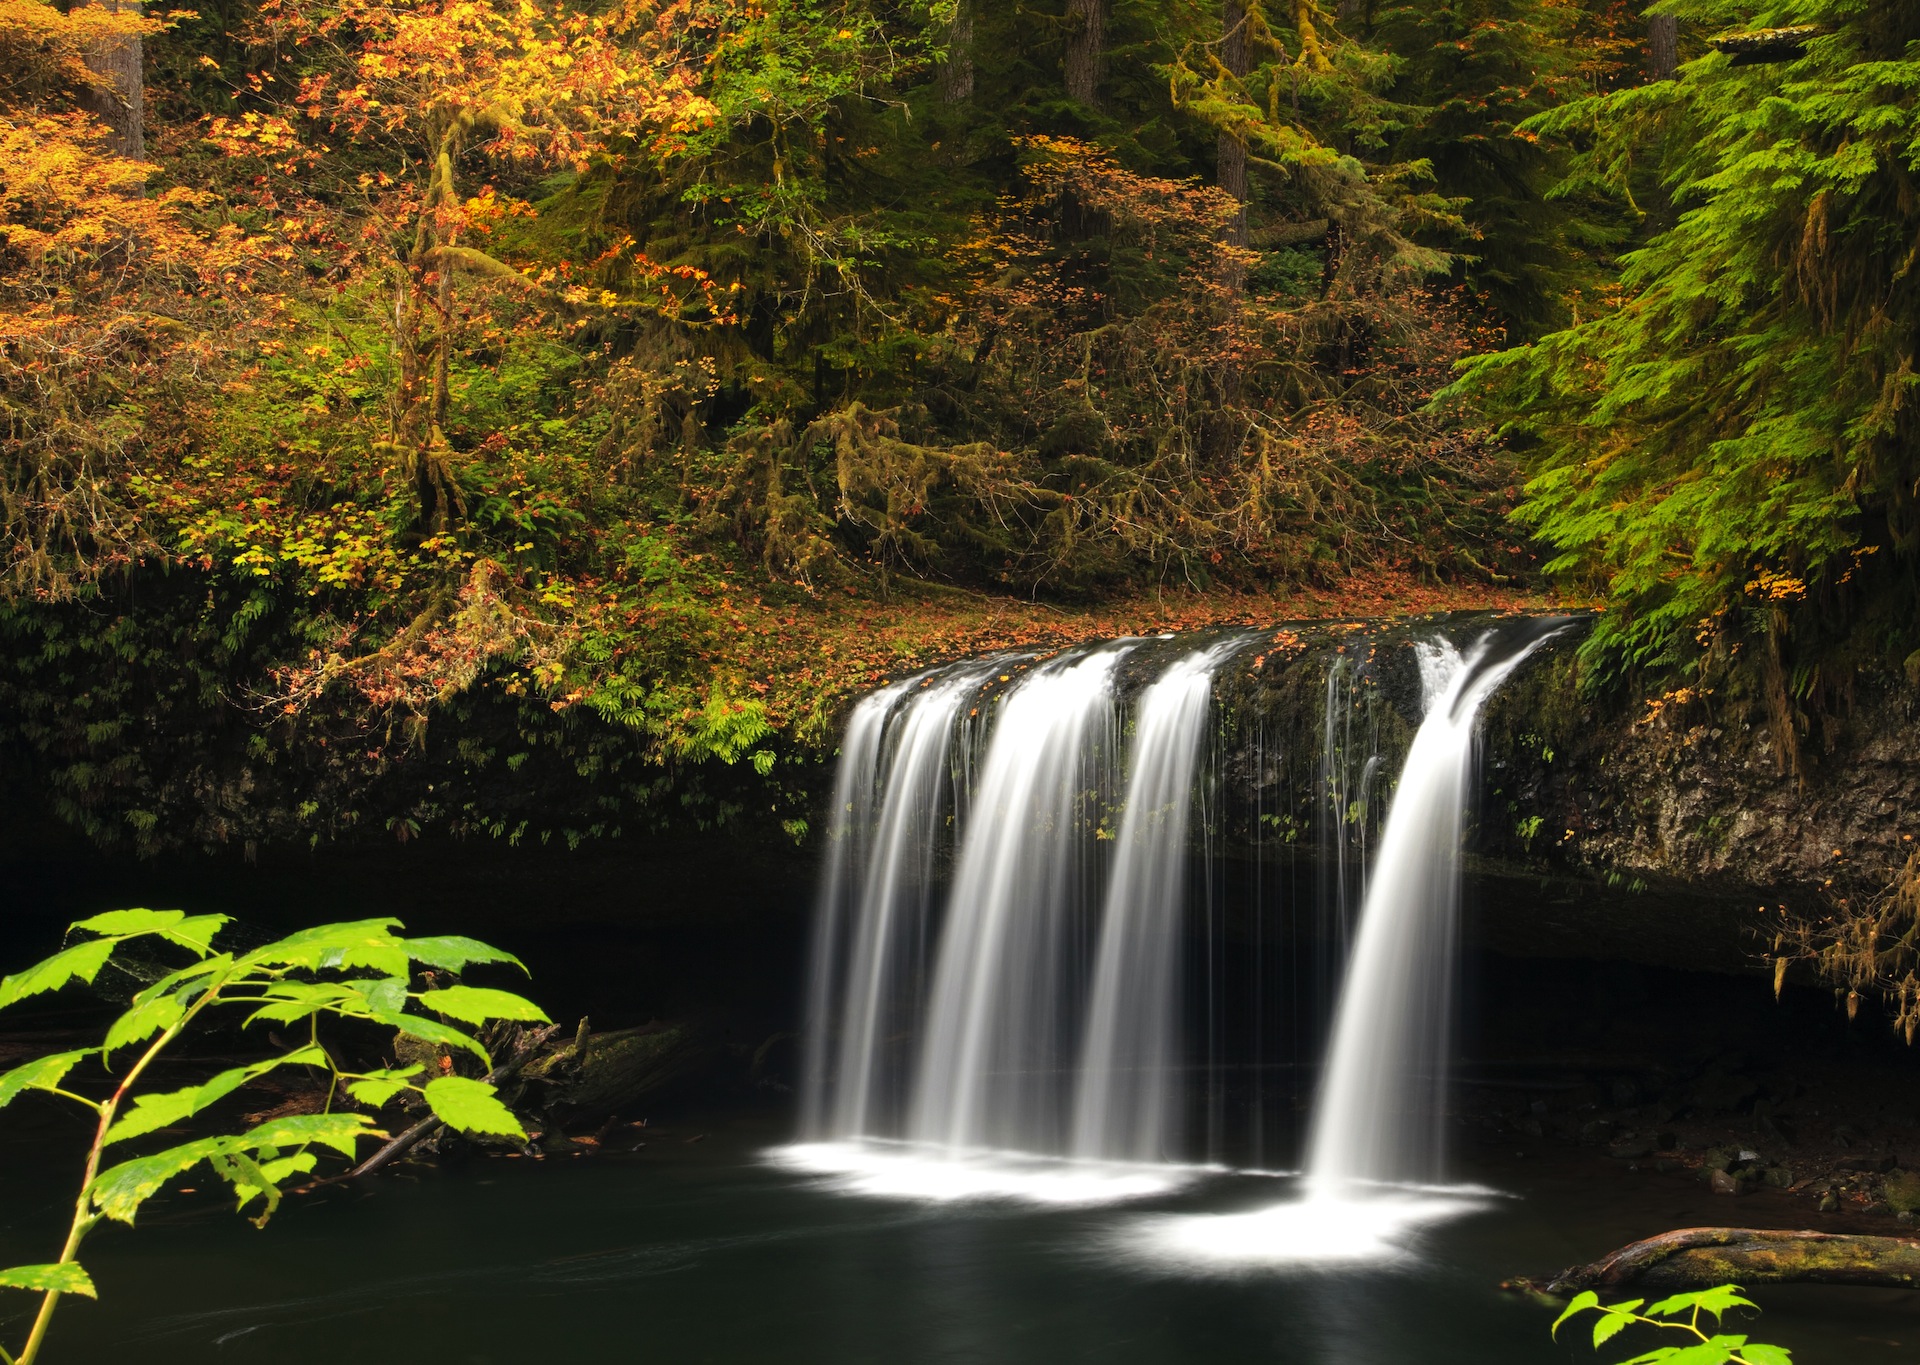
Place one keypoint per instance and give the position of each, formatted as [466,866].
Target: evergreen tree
[1727,451]
[1471,72]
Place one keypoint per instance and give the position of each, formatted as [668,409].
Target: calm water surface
[702,1252]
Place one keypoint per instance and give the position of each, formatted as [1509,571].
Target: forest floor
[848,639]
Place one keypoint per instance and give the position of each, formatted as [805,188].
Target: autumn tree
[547,369]
[114,302]
[433,85]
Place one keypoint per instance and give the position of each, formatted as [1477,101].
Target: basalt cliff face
[1698,791]
[1606,827]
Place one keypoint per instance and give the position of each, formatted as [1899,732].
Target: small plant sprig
[359,971]
[1681,1313]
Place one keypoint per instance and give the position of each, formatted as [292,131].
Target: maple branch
[476,262]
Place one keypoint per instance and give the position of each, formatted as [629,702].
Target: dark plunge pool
[695,1249]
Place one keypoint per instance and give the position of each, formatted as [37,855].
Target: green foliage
[82,962]
[471,1107]
[1704,1349]
[353,973]
[477,1005]
[122,712]
[1726,450]
[62,1277]
[43,1073]
[1474,71]
[522,462]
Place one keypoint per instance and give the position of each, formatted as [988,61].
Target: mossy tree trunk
[1699,1258]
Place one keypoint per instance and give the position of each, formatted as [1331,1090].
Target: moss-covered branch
[1699,1258]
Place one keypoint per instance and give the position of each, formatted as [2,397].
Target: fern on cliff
[1726,451]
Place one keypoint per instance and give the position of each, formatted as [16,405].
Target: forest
[1053,604]
[397,394]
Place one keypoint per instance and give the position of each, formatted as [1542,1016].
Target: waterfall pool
[705,1251]
[1019,944]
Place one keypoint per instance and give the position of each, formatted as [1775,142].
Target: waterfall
[890,910]
[1375,1147]
[1126,1106]
[856,789]
[1383,1090]
[1042,1021]
[998,1018]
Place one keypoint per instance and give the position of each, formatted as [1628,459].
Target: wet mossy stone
[1901,1190]
[1726,1182]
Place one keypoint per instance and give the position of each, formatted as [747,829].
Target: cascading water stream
[891,907]
[1127,1104]
[856,789]
[1384,1087]
[1376,1136]
[997,1026]
[1027,1032]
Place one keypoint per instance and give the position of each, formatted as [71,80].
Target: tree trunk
[1349,10]
[1663,47]
[1232,155]
[1086,50]
[1699,1258]
[120,98]
[956,77]
[1231,168]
